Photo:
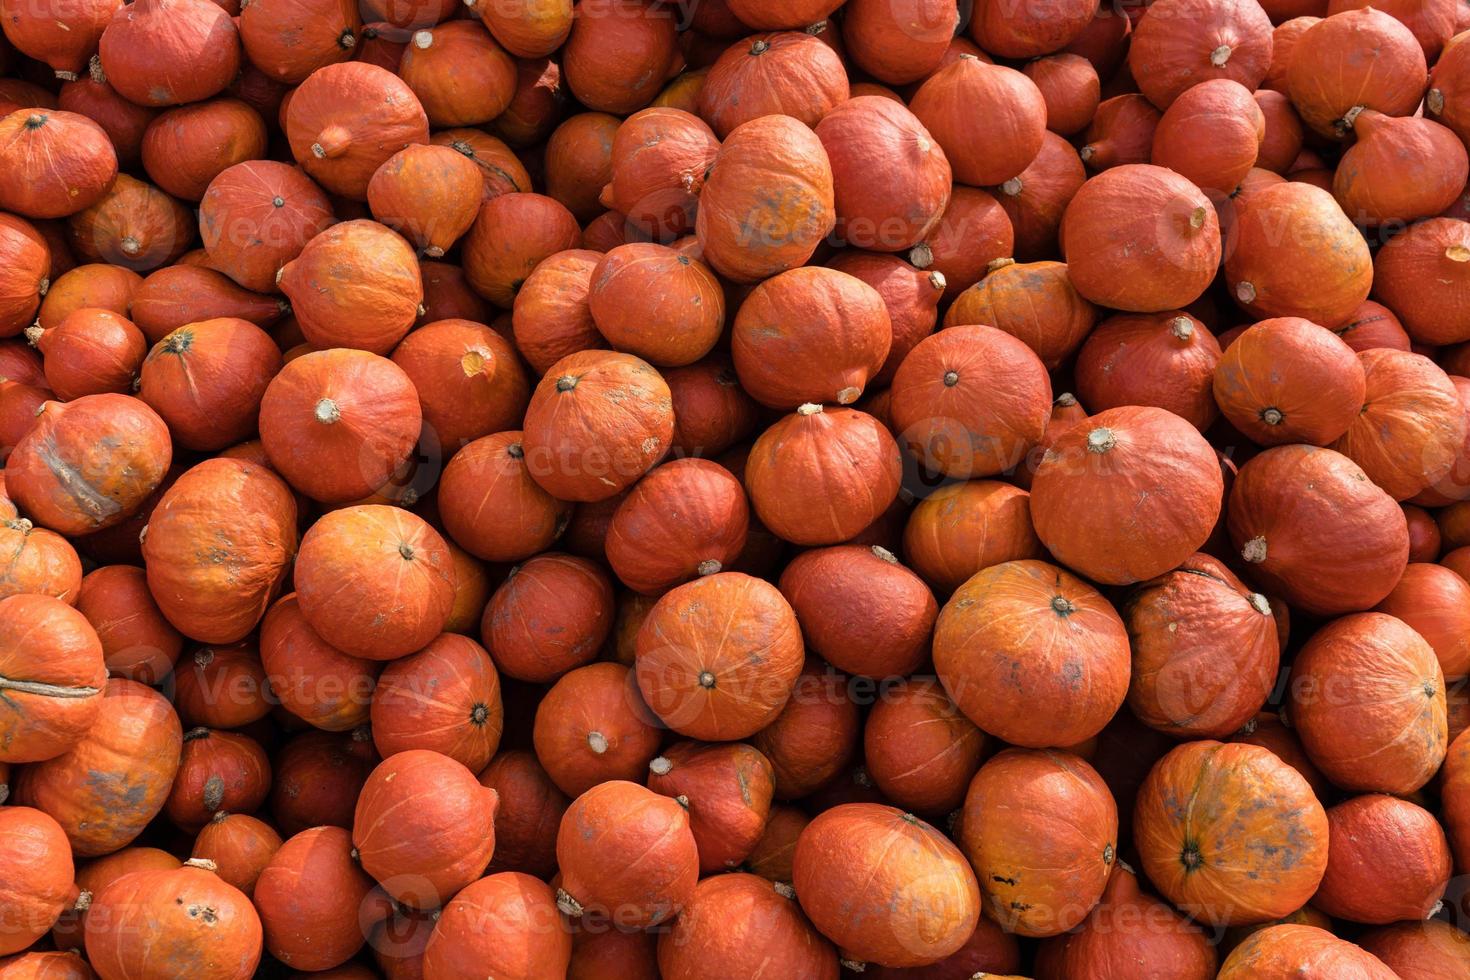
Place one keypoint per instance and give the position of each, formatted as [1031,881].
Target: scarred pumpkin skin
[37,889]
[525,940]
[206,380]
[248,235]
[1301,952]
[791,73]
[686,518]
[240,846]
[727,791]
[217,546]
[1367,698]
[310,897]
[468,380]
[1166,360]
[1438,248]
[884,886]
[1113,464]
[592,726]
[1387,860]
[650,300]
[1420,950]
[529,815]
[701,680]
[1193,41]
[108,786]
[37,561]
[1252,845]
[219,772]
[767,200]
[618,54]
[1355,60]
[347,119]
[134,225]
[428,194]
[501,170]
[356,284]
[711,930]
[1080,673]
[357,562]
[1141,238]
[1293,507]
[1287,380]
[58,162]
[628,850]
[170,52]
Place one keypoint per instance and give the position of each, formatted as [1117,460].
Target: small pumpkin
[89,286]
[1034,302]
[898,41]
[123,121]
[1363,831]
[1020,33]
[137,642]
[727,792]
[428,194]
[38,562]
[811,741]
[551,316]
[510,237]
[221,687]
[318,776]
[1226,111]
[552,614]
[312,679]
[218,772]
[1440,248]
[178,295]
[973,235]
[62,36]
[501,169]
[445,698]
[531,30]
[1069,86]
[707,932]
[185,148]
[170,52]
[790,73]
[945,104]
[618,54]
[258,215]
[206,380]
[460,75]
[490,505]
[1128,925]
[919,748]
[592,727]
[530,812]
[578,162]
[962,528]
[526,939]
[1166,360]
[19,405]
[37,889]
[60,162]
[1192,41]
[133,224]
[1429,598]
[659,160]
[354,285]
[1295,950]
[287,40]
[686,518]
[1419,950]
[90,352]
[240,846]
[649,300]
[1399,170]
[310,897]
[1121,132]
[711,411]
[1351,61]
[1037,197]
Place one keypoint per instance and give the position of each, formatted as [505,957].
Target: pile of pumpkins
[734,489]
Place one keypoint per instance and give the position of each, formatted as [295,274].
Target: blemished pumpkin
[39,562]
[1203,860]
[170,52]
[727,791]
[218,772]
[705,932]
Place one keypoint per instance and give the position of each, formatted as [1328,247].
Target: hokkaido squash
[791,73]
[649,300]
[1121,132]
[178,295]
[659,160]
[185,148]
[1129,926]
[531,30]
[137,642]
[973,234]
[1287,380]
[287,40]
[38,561]
[1419,950]
[1165,360]
[491,507]
[919,749]
[552,614]
[468,381]
[313,680]
[578,162]
[711,411]
[1446,83]
[592,727]
[460,75]
[708,932]
[445,698]
[221,687]
[1037,197]
[965,527]
[207,379]
[1226,111]
[944,104]
[501,170]
[240,846]
[1437,248]
[1034,302]
[219,772]
[530,811]
[19,404]
[686,518]
[1070,88]
[618,54]
[91,286]
[51,656]
[310,897]
[256,216]
[64,36]
[61,162]
[526,939]
[898,41]
[133,224]
[318,777]
[90,352]
[727,792]
[170,52]
[1364,830]
[1399,170]
[1355,60]
[1192,41]
[354,285]
[551,316]
[1430,599]
[1300,951]
[509,238]
[811,741]
[428,194]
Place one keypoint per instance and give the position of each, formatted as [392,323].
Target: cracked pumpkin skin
[51,678]
[1229,833]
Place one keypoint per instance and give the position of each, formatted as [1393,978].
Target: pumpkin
[709,931]
[221,687]
[338,423]
[1283,132]
[1432,24]
[46,966]
[93,285]
[1226,111]
[1121,132]
[780,15]
[1070,88]
[945,105]
[61,162]
[1166,360]
[19,405]
[1424,537]
[1037,197]
[523,941]
[1437,248]
[469,382]
[502,171]
[973,235]
[1128,926]
[185,148]
[803,499]
[287,40]
[256,216]
[90,352]
[218,772]
[170,52]
[1382,730]
[771,858]
[1300,951]
[578,162]
[591,727]
[398,940]
[313,680]
[179,295]
[1446,85]
[1034,302]
[727,792]
[1114,463]
[1192,41]
[530,812]
[240,846]
[551,316]
[447,296]
[354,285]
[1293,507]
[884,886]
[812,740]
[1399,170]
[37,562]
[1364,831]
[318,778]
[37,888]
[429,194]
[791,73]
[536,107]
[1205,650]
[423,827]
[649,300]
[1351,61]
[767,200]
[1419,950]
[92,876]
[490,505]
[531,30]
[51,654]
[962,528]
[107,787]
[552,614]
[1287,380]
[659,160]
[64,36]
[919,749]
[1141,238]
[711,411]
[445,698]
[686,518]
[510,237]
[206,380]
[133,224]
[346,119]
[975,647]
[460,75]
[898,41]
[1431,599]
[357,562]
[137,642]
[309,897]
[618,54]
[701,680]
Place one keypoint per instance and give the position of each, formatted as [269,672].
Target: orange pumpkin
[137,642]
[133,224]
[1301,952]
[37,562]
[221,687]
[36,890]
[185,148]
[62,36]
[530,812]
[771,858]
[649,300]
[526,939]
[459,74]
[884,886]
[123,121]
[1432,600]
[708,931]
[1283,140]
[346,119]
[536,107]
[1420,950]
[530,30]
[90,352]
[910,295]
[510,237]
[552,614]
[1130,927]
[310,897]
[1033,302]
[501,169]
[445,698]
[780,15]
[357,562]
[240,846]
[811,741]
[256,216]
[1193,41]
[618,54]
[313,680]
[578,162]
[659,159]
[551,315]
[962,528]
[973,235]
[1438,248]
[1399,170]
[945,104]
[898,41]
[218,772]
[1070,88]
[179,295]
[791,73]
[46,966]
[1211,134]
[356,284]
[1036,198]
[490,505]
[1352,61]
[727,792]
[592,726]
[287,40]
[701,680]
[1166,360]
[711,411]
[1121,132]
[919,749]
[429,194]
[1252,847]
[318,777]
[60,162]
[686,518]
[447,296]
[1365,830]
[89,286]
[170,52]
[206,380]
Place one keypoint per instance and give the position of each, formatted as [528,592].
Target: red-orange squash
[1121,132]
[64,36]
[460,75]
[257,216]
[618,54]
[973,235]
[221,687]
[170,52]
[1166,360]
[1036,198]
[19,404]
[1420,950]
[530,30]
[810,742]
[1192,41]
[27,272]
[791,73]
[240,846]
[659,159]
[134,225]
[1437,249]
[178,295]
[919,749]
[318,777]
[530,812]
[38,562]
[628,851]
[911,295]
[1287,380]
[552,614]
[501,169]
[1070,88]
[356,284]
[313,680]
[1432,600]
[347,119]
[685,519]
[137,642]
[357,563]
[1282,142]
[310,897]
[1130,927]
[206,380]
[510,237]
[1387,860]
[709,931]
[445,698]
[1446,84]
[1211,134]
[59,162]
[469,384]
[727,792]
[1300,952]
[429,194]
[37,887]
[551,316]
[219,772]
[1351,61]
[945,104]
[1399,170]
[711,411]
[1034,302]
[578,162]
[492,507]
[526,940]
[185,148]
[898,41]
[650,300]
[884,886]
[123,121]
[90,352]
[287,40]
[962,528]
[592,726]
[93,285]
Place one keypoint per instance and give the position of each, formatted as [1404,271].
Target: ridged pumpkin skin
[1387,861]
[1205,650]
[947,102]
[217,546]
[1130,933]
[659,159]
[685,519]
[340,131]
[596,423]
[123,121]
[46,966]
[803,499]
[974,234]
[502,171]
[206,380]
[38,887]
[445,698]
[310,897]
[1034,302]
[898,41]
[1287,380]
[809,743]
[1165,360]
[170,52]
[1251,847]
[492,507]
[767,200]
[1367,698]
[531,808]
[424,827]
[1433,600]
[650,300]
[919,749]
[792,73]
[1192,41]
[1041,830]
[58,162]
[240,846]
[1037,197]
[89,464]
[618,54]
[108,786]
[1141,238]
[37,561]
[592,726]
[884,886]
[429,194]
[1355,60]
[1301,952]
[702,681]
[357,563]
[219,772]
[1121,132]
[727,791]
[1080,674]
[965,527]
[1293,507]
[63,35]
[185,148]
[1399,170]
[1114,465]
[287,40]
[357,284]
[249,235]
[1211,135]
[90,352]
[1439,247]
[525,940]
[970,401]
[628,850]
[714,928]
[551,316]
[337,424]
[137,642]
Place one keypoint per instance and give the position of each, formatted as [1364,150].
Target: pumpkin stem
[1101,439]
[479,714]
[423,39]
[332,141]
[33,334]
[1457,253]
[858,966]
[37,119]
[405,550]
[1245,292]
[995,265]
[1066,399]
[848,395]
[937,280]
[817,28]
[566,382]
[327,412]
[515,451]
[709,567]
[810,408]
[194,734]
[784,890]
[220,816]
[951,378]
[1086,153]
[1220,55]
[1108,853]
[1254,550]
[1260,604]
[66,76]
[569,905]
[1062,606]
[706,680]
[1182,328]
[1249,728]
[921,256]
[884,554]
[1190,857]
[347,40]
[278,201]
[597,742]
[47,690]
[204,863]
[760,47]
[1012,187]
[178,342]
[83,902]
[433,252]
[1349,117]
[661,766]
[21,524]
[1272,416]
[94,70]
[1197,218]
[682,800]
[1434,101]
[130,245]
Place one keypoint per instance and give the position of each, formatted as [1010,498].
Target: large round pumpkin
[310,897]
[170,52]
[206,380]
[653,301]
[1387,860]
[39,880]
[919,749]
[525,940]
[62,36]
[1250,847]
[948,103]
[791,73]
[59,162]
[257,216]
[885,886]
[1301,952]
[1165,360]
[356,284]
[686,518]
[90,352]
[1351,61]
[710,931]
[445,698]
